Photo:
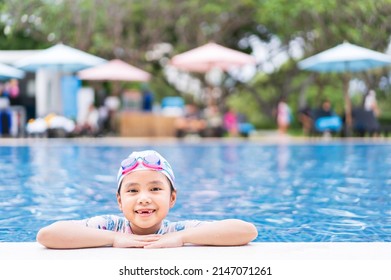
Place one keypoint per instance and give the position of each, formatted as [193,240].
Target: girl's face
[145,199]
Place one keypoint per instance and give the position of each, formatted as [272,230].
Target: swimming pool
[313,192]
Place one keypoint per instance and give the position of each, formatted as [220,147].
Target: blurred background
[148,34]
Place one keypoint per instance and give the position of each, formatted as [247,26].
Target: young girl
[146,191]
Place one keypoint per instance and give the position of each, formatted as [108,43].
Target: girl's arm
[72,235]
[220,233]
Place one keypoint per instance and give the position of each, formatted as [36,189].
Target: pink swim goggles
[145,160]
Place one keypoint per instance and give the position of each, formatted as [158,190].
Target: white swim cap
[145,160]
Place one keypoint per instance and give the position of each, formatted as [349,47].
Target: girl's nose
[144,198]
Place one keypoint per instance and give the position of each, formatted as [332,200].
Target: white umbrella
[59,57]
[345,58]
[8,72]
[50,64]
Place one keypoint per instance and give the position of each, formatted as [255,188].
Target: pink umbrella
[210,56]
[114,70]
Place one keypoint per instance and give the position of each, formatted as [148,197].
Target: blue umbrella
[345,58]
[8,72]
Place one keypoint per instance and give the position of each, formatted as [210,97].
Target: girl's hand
[122,240]
[170,240]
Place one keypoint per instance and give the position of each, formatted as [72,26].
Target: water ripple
[308,193]
[338,213]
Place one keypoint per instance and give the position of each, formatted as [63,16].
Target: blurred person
[90,122]
[326,120]
[147,99]
[325,109]
[231,124]
[365,120]
[11,90]
[305,118]
[370,103]
[113,105]
[192,122]
[283,116]
[214,121]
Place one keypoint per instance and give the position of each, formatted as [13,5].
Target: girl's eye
[132,190]
[155,189]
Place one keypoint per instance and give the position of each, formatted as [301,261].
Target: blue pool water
[312,192]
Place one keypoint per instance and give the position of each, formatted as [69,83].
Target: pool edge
[252,251]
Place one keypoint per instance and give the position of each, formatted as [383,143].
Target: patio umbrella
[210,56]
[114,70]
[59,57]
[8,72]
[49,65]
[345,58]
